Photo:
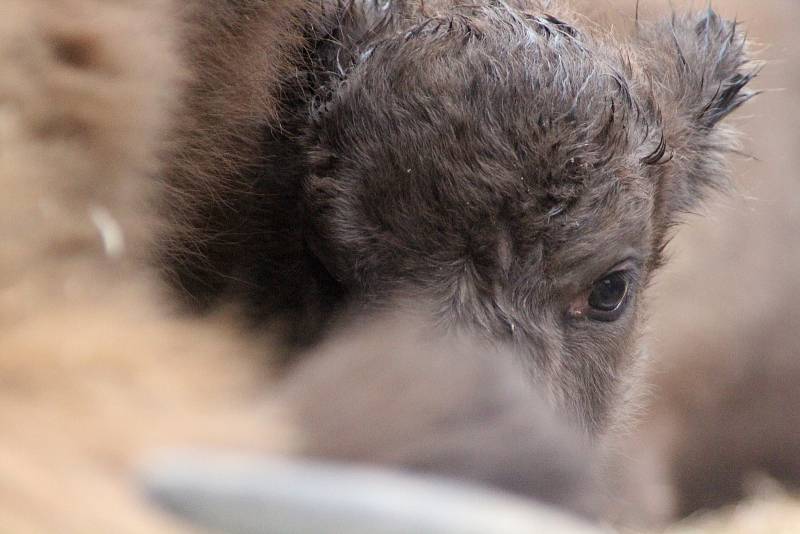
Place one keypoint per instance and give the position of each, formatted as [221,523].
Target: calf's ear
[697,68]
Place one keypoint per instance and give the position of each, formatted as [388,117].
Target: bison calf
[509,168]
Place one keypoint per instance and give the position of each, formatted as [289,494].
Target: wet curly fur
[489,161]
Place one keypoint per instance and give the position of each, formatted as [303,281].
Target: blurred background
[724,332]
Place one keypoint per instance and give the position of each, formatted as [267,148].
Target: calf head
[516,174]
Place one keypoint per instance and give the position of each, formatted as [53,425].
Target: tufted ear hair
[698,68]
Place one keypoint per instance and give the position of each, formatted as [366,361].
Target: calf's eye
[608,295]
[606,300]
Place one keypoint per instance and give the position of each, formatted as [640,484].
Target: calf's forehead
[607,225]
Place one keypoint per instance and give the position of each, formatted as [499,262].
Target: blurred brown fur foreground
[93,369]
